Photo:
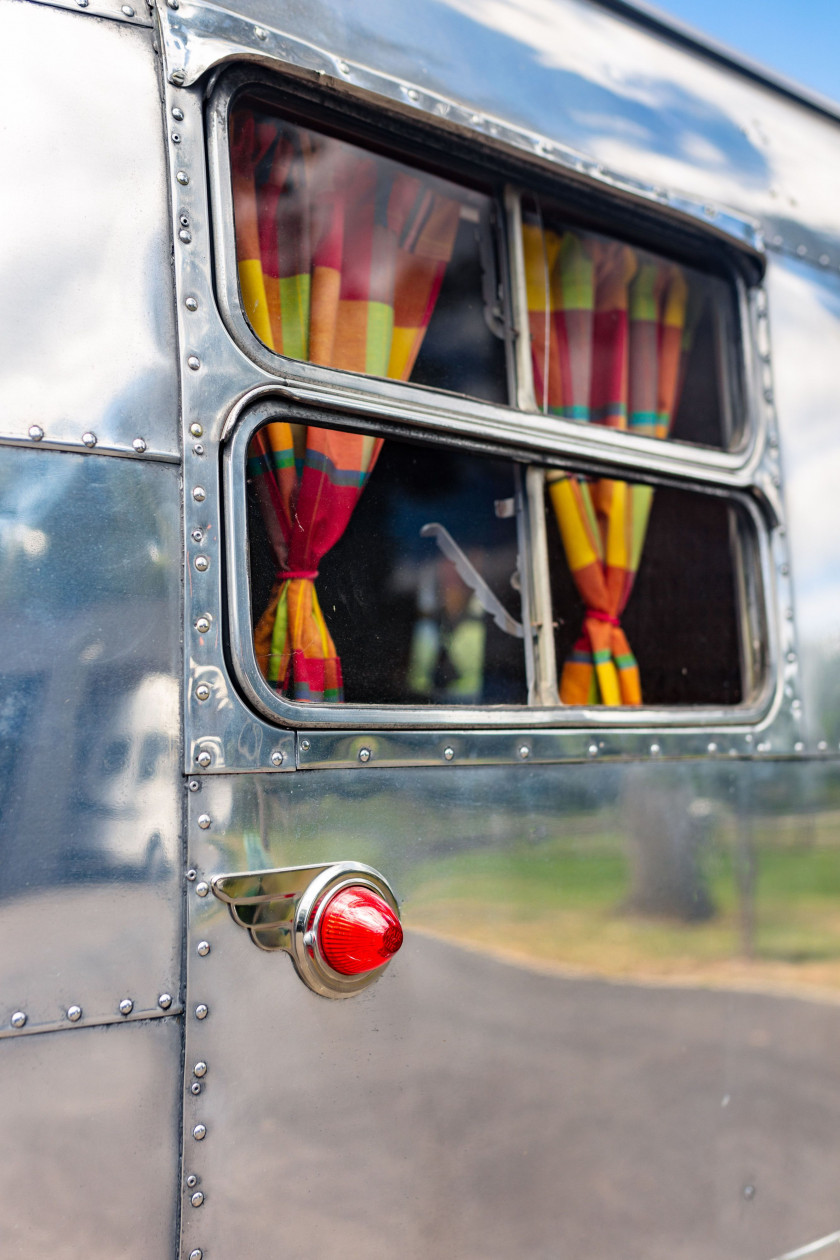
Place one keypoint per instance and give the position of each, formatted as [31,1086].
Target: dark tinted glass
[680,618]
[407,623]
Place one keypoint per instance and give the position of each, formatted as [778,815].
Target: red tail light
[358,931]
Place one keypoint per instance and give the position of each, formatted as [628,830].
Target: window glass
[643,594]
[355,261]
[397,583]
[627,339]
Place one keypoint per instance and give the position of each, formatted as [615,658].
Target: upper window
[420,570]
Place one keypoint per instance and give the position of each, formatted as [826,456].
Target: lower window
[396,573]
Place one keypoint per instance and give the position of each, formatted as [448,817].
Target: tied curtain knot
[296,575]
[602,616]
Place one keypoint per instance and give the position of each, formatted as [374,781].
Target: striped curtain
[608,337]
[341,256]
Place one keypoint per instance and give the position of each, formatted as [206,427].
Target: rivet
[824,260]
[799,746]
[177,113]
[192,1181]
[198,448]
[204,758]
[791,657]
[768,395]
[778,241]
[763,747]
[36,433]
[177,76]
[139,446]
[18,1019]
[185,235]
[343,67]
[196,1254]
[192,873]
[196,535]
[195,429]
[176,137]
[204,821]
[277,757]
[593,750]
[127,10]
[193,363]
[182,177]
[202,625]
[749,1192]
[203,948]
[173,4]
[74,1014]
[260,32]
[305,745]
[202,691]
[822,746]
[200,1132]
[413,94]
[83,4]
[801,250]
[195,1088]
[712,748]
[202,889]
[202,563]
[197,1199]
[165,1001]
[655,750]
[199,494]
[364,754]
[89,439]
[126,1006]
[200,1069]
[524,752]
[448,754]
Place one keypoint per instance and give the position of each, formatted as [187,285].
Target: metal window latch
[469,574]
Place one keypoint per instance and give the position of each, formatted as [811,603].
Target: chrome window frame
[219,380]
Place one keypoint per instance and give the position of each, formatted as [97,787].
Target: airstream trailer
[418,513]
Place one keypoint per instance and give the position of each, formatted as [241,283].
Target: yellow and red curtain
[341,256]
[608,332]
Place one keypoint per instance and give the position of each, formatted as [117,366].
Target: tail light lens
[358,931]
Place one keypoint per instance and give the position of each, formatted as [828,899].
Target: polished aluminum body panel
[86,320]
[90,797]
[90,1147]
[501,1088]
[805,309]
[619,99]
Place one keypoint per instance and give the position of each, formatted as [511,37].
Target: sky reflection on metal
[798,41]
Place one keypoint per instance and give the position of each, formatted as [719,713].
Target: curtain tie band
[602,616]
[297,575]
